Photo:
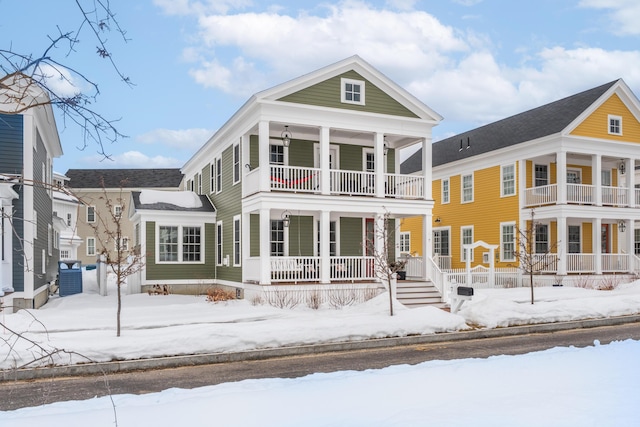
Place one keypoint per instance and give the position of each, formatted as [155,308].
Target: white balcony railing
[615,262]
[296,179]
[614,196]
[543,195]
[580,193]
[353,183]
[404,186]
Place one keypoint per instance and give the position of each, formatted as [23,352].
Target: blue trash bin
[69,278]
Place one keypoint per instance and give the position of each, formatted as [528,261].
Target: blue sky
[194,63]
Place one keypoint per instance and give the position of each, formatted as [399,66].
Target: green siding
[301,153]
[351,157]
[254,237]
[301,236]
[228,204]
[206,179]
[391,161]
[327,94]
[254,153]
[351,236]
[180,271]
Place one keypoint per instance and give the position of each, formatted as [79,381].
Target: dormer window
[615,125]
[352,91]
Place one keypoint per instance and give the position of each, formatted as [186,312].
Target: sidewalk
[260,354]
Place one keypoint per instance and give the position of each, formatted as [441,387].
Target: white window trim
[446,228]
[408,234]
[442,191]
[343,97]
[95,250]
[220,245]
[614,117]
[212,177]
[218,162]
[87,214]
[285,152]
[462,188]
[238,221]
[49,239]
[579,235]
[513,224]
[236,164]
[180,243]
[515,181]
[115,211]
[462,228]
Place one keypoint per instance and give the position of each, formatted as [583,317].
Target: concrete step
[418,294]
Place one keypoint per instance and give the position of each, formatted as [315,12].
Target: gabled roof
[135,178]
[206,205]
[539,122]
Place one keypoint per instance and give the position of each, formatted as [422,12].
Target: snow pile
[184,199]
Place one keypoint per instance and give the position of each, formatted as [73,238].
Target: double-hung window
[445,190]
[236,241]
[508,242]
[91,214]
[542,238]
[405,242]
[467,188]
[179,243]
[466,234]
[508,180]
[91,246]
[218,174]
[236,163]
[277,237]
[219,241]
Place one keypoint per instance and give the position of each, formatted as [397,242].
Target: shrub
[215,294]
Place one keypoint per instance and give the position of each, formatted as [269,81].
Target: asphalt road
[18,394]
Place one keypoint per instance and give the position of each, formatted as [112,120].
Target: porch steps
[418,294]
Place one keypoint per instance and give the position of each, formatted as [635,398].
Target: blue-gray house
[29,251]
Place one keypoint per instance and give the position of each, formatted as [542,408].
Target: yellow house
[570,164]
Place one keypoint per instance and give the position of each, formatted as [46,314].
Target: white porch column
[561,176]
[380,158]
[562,245]
[245,248]
[426,171]
[325,164]
[427,233]
[630,174]
[522,182]
[596,178]
[325,253]
[597,244]
[631,236]
[265,246]
[263,155]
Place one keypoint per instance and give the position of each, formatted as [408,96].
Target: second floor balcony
[582,194]
[340,182]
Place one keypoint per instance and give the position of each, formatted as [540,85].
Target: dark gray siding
[43,205]
[11,143]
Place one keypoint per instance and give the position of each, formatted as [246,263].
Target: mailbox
[465,291]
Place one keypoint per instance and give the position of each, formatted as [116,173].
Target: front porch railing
[583,194]
[299,269]
[353,183]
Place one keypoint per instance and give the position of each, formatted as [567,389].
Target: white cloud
[132,159]
[625,14]
[185,139]
[273,47]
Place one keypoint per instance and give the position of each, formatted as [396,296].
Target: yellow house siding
[413,225]
[587,238]
[487,211]
[597,124]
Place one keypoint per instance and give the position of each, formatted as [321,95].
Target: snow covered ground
[559,387]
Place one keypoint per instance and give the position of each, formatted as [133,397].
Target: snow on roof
[184,199]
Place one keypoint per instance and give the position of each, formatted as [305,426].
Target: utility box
[69,278]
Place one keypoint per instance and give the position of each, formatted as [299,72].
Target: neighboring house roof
[205,203]
[135,178]
[542,121]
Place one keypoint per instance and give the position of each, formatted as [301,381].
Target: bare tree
[384,263]
[114,245]
[29,80]
[532,260]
